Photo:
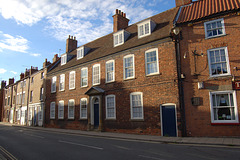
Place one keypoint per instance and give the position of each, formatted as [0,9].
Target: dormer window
[120,37]
[82,51]
[145,28]
[63,59]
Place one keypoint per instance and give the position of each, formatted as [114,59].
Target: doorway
[168,120]
[96,113]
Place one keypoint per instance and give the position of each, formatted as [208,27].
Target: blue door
[169,121]
[96,115]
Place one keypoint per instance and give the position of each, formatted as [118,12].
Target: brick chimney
[3,84]
[55,58]
[119,21]
[182,2]
[33,70]
[26,73]
[11,81]
[46,63]
[21,76]
[71,44]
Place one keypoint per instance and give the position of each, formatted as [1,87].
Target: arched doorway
[96,112]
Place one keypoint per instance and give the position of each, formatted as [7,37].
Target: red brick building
[209,55]
[126,81]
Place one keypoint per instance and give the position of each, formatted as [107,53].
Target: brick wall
[157,89]
[198,118]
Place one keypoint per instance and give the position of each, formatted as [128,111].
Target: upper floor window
[151,61]
[145,28]
[110,107]
[53,87]
[214,28]
[120,37]
[61,110]
[96,74]
[84,77]
[218,62]
[72,80]
[32,79]
[41,93]
[42,75]
[52,110]
[110,71]
[223,107]
[71,108]
[80,53]
[128,64]
[63,59]
[83,108]
[62,82]
[23,98]
[31,96]
[136,100]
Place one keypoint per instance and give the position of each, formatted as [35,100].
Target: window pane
[146,28]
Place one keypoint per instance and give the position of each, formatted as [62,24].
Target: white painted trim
[51,107]
[54,80]
[110,61]
[81,108]
[223,28]
[168,104]
[157,61]
[95,66]
[61,101]
[74,74]
[85,68]
[141,94]
[125,57]
[114,106]
[73,109]
[62,76]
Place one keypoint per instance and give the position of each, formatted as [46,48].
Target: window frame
[124,72]
[114,107]
[157,62]
[62,77]
[99,77]
[85,68]
[142,24]
[70,73]
[52,110]
[31,96]
[113,72]
[83,99]
[120,39]
[53,84]
[41,93]
[63,59]
[131,106]
[73,108]
[81,51]
[210,63]
[213,21]
[212,107]
[59,106]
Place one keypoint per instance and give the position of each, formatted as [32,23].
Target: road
[28,144]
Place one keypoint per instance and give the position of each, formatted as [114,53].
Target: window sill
[226,76]
[220,124]
[129,78]
[153,74]
[84,86]
[110,82]
[71,89]
[62,90]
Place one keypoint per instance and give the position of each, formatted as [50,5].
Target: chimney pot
[119,21]
[71,44]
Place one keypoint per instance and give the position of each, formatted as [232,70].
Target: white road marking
[120,147]
[33,135]
[149,157]
[78,144]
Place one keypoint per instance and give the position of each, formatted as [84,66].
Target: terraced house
[172,74]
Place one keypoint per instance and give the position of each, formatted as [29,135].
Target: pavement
[222,141]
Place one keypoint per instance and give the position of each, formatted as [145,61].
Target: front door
[96,113]
[169,120]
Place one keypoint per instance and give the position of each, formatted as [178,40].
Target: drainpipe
[180,84]
[28,100]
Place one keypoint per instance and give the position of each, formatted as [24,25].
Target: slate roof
[204,8]
[104,46]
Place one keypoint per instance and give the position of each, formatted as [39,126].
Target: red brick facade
[196,69]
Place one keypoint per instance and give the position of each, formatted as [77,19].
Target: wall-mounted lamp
[176,30]
[196,54]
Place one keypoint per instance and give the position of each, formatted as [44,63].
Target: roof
[104,46]
[204,8]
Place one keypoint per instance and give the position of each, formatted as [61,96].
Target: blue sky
[32,30]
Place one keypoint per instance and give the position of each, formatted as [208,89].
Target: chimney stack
[11,81]
[182,2]
[46,63]
[26,73]
[21,76]
[33,70]
[119,21]
[71,44]
[55,58]
[3,84]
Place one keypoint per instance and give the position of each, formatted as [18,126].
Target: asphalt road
[27,144]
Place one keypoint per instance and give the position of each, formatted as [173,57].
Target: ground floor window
[223,107]
[52,110]
[136,99]
[83,108]
[110,107]
[71,107]
[61,110]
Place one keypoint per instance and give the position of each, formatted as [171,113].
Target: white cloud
[13,72]
[2,70]
[35,54]
[85,19]
[17,43]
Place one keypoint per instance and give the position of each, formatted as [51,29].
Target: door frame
[92,109]
[166,105]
